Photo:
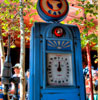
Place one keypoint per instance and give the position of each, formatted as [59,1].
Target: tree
[2,51]
[88,39]
[22,54]
[9,18]
[10,13]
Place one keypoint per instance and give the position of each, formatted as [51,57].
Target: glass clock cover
[59,69]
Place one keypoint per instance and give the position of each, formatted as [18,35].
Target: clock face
[59,70]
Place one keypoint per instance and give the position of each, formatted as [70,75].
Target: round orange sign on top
[53,10]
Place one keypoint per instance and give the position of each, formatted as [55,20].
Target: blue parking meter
[55,56]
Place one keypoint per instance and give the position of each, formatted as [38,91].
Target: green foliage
[9,16]
[18,36]
[81,18]
[62,22]
[13,46]
[32,14]
[71,21]
[35,6]
[95,47]
[14,1]
[3,34]
[77,12]
[84,32]
[78,21]
[6,1]
[27,30]
[31,20]
[88,10]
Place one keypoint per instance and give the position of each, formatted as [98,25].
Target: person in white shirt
[16,74]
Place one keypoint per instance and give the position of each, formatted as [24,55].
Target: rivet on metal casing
[75,43]
[78,86]
[41,36]
[41,87]
[41,95]
[40,41]
[78,94]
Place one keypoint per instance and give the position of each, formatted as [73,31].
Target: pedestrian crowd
[12,86]
[16,69]
[94,82]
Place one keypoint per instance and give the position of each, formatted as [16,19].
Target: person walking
[15,78]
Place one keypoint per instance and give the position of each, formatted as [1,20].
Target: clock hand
[59,68]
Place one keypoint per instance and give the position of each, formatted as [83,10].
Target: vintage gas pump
[55,56]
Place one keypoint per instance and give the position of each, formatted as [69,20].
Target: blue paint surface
[43,42]
[58,45]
